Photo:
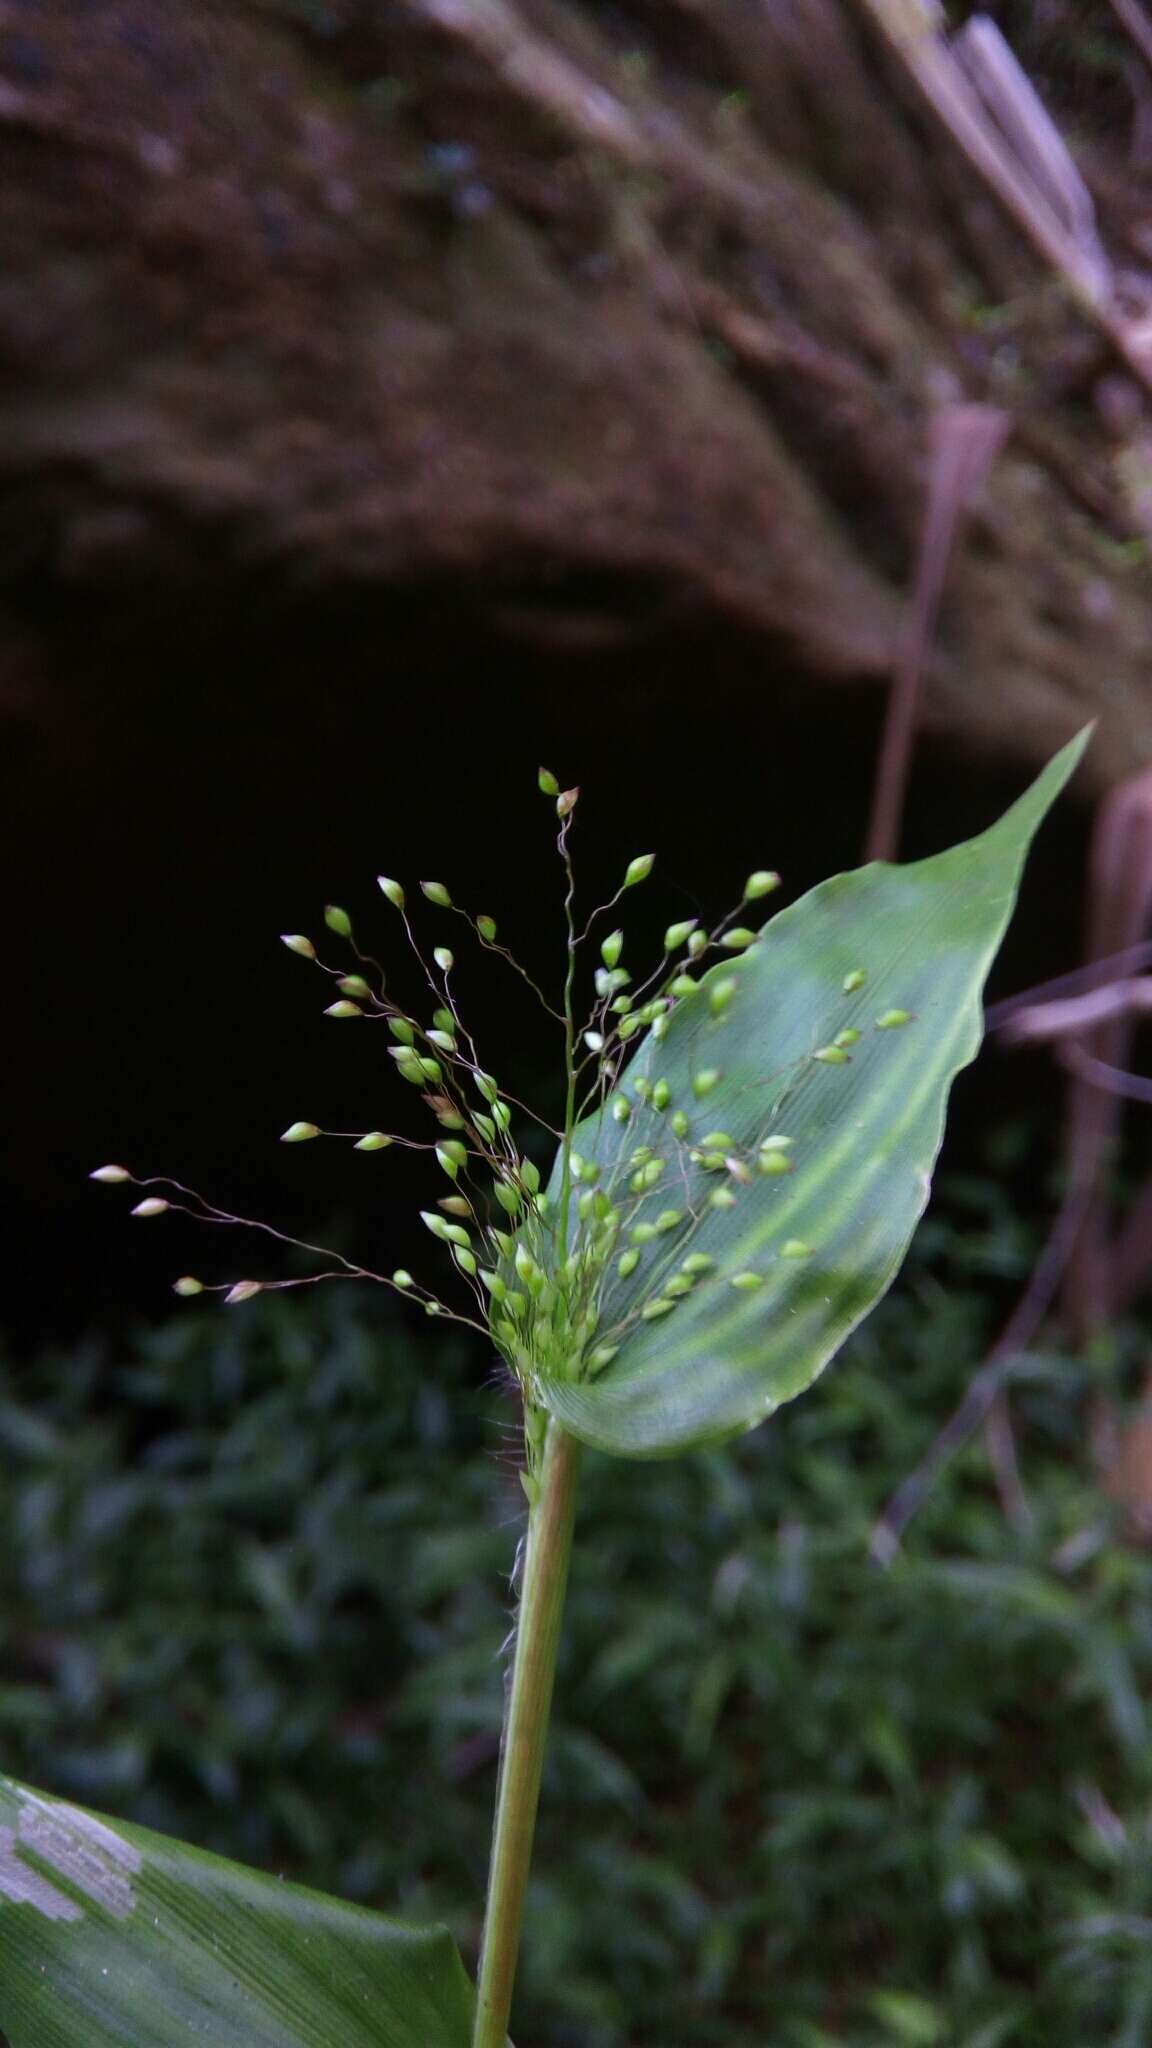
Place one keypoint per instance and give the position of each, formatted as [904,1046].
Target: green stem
[569,1047]
[525,1730]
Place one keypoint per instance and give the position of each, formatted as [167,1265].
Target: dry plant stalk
[1041,1023]
[965,89]
[1097,1269]
[1108,1265]
[965,441]
[1136,25]
[986,1385]
[1013,106]
[1120,900]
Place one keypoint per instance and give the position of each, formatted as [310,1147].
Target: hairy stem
[525,1730]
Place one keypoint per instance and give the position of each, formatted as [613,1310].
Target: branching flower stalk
[746,1145]
[561,1274]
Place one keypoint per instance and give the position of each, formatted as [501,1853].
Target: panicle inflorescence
[560,1274]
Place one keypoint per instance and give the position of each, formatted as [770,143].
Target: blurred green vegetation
[256,1581]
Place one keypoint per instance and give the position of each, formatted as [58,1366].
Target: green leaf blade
[114,1937]
[811,1251]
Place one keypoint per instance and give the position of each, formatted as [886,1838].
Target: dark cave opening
[191,774]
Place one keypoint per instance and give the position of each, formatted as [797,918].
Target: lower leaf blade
[112,1936]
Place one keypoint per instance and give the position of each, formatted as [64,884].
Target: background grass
[256,1580]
